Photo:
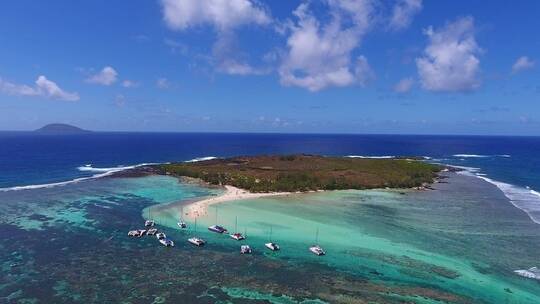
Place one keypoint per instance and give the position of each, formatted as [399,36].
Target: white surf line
[525,199]
[87,168]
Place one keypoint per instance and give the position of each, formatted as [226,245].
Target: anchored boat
[181,222]
[316,249]
[217,228]
[161,236]
[137,233]
[195,240]
[149,222]
[237,235]
[167,242]
[151,231]
[271,245]
[245,249]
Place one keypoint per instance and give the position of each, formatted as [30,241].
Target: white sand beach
[200,208]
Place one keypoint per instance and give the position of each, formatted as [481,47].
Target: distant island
[58,128]
[300,173]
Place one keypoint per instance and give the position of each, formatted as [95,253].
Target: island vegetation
[292,173]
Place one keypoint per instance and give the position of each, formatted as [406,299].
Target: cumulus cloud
[223,14]
[319,54]
[106,76]
[43,87]
[523,63]
[403,13]
[404,85]
[450,61]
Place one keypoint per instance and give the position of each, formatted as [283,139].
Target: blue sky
[323,66]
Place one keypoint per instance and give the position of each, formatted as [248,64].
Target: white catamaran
[237,235]
[181,222]
[316,249]
[271,245]
[195,240]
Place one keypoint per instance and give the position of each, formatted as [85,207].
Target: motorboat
[161,236]
[151,231]
[531,273]
[196,241]
[217,229]
[272,246]
[245,249]
[167,242]
[317,250]
[149,223]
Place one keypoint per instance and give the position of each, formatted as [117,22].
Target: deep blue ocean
[32,160]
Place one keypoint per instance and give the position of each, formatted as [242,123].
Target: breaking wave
[371,156]
[523,198]
[479,155]
[198,159]
[101,172]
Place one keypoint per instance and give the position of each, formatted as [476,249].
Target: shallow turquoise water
[464,237]
[457,244]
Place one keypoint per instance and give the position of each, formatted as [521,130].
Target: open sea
[64,223]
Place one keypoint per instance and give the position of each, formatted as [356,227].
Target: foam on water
[479,155]
[198,159]
[523,198]
[371,156]
[102,172]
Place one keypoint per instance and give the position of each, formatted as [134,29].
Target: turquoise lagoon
[458,243]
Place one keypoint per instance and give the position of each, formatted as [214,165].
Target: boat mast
[236,225]
[317,236]
[270,233]
[216,214]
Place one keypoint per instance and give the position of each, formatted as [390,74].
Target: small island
[59,128]
[302,173]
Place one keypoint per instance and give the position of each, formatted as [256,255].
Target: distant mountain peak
[59,128]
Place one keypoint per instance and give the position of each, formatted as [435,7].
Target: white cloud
[10,88]
[404,85]
[106,76]
[523,63]
[450,62]
[43,87]
[129,83]
[223,14]
[403,13]
[320,55]
[163,83]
